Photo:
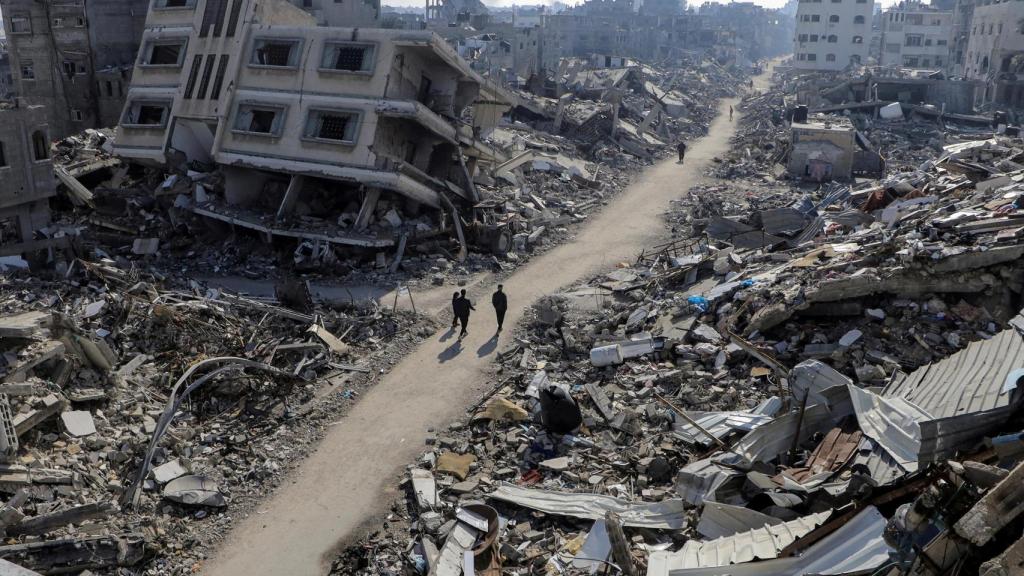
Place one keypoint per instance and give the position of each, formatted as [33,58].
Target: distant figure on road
[500,303]
[455,310]
[462,308]
[682,151]
[730,113]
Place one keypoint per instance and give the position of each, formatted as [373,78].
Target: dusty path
[350,479]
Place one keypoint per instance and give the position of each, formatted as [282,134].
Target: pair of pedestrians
[461,307]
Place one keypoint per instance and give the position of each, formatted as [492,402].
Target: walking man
[730,113]
[455,310]
[500,303]
[682,151]
[462,309]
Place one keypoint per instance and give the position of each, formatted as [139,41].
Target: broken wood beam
[44,523]
[620,548]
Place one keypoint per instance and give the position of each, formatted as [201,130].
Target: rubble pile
[821,382]
[138,419]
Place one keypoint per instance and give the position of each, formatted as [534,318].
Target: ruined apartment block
[343,136]
[832,34]
[916,35]
[74,57]
[26,179]
[995,53]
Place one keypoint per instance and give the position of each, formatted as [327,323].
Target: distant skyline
[504,3]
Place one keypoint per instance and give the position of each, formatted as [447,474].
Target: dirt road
[351,478]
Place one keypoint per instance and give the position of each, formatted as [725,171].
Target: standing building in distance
[916,35]
[832,34]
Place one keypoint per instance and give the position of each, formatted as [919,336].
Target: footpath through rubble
[808,379]
[144,412]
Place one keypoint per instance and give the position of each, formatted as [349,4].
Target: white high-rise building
[832,34]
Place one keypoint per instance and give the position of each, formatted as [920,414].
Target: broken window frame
[182,4]
[313,126]
[23,19]
[181,43]
[293,56]
[40,146]
[31,67]
[133,112]
[242,122]
[328,56]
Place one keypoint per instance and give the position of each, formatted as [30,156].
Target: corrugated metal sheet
[722,424]
[784,221]
[718,520]
[766,442]
[663,515]
[832,452]
[701,480]
[963,395]
[857,547]
[762,543]
[967,382]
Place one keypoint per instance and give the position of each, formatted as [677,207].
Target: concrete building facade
[6,77]
[353,14]
[26,178]
[915,35]
[822,149]
[960,35]
[296,114]
[995,53]
[74,57]
[832,34]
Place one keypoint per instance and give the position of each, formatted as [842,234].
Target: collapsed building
[804,380]
[298,121]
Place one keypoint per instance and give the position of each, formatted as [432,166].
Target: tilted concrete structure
[288,109]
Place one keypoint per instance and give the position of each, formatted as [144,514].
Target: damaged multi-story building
[26,179]
[75,57]
[335,136]
[916,35]
[995,53]
[6,78]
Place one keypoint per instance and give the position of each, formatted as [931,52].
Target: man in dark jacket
[462,308]
[500,303]
[455,313]
[682,151]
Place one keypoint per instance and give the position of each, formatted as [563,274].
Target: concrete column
[291,196]
[614,96]
[366,210]
[563,101]
[649,119]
